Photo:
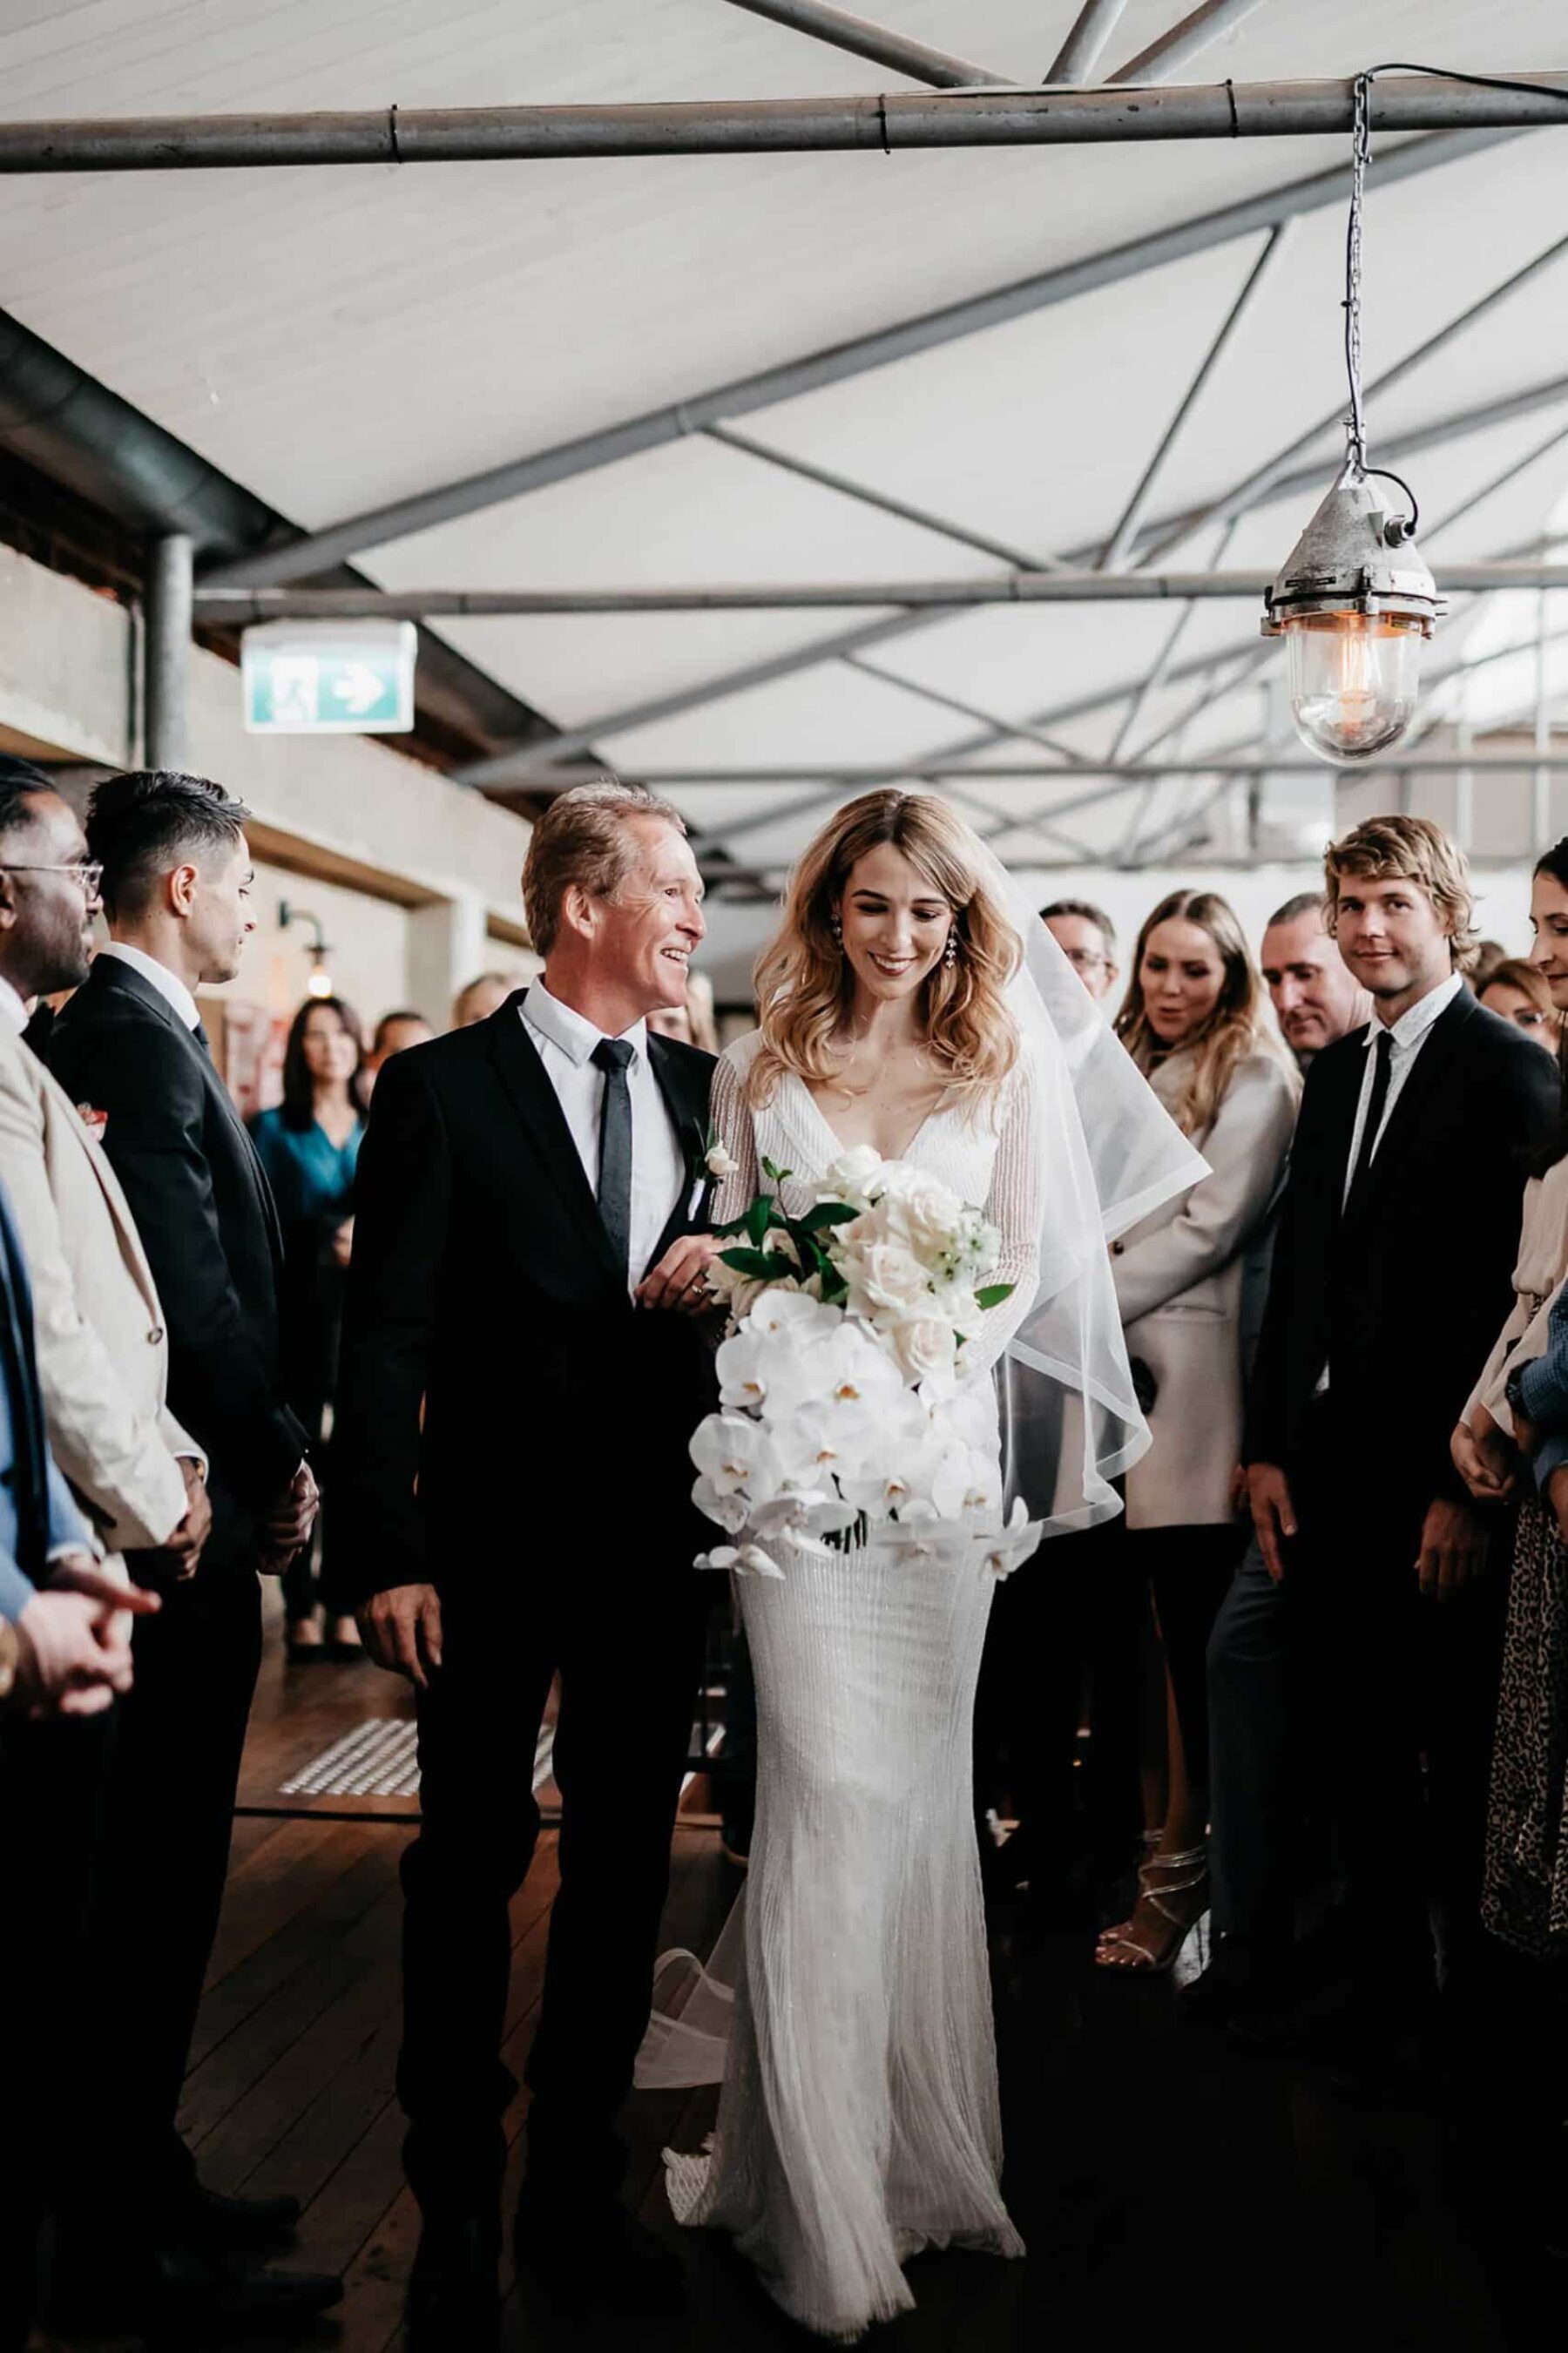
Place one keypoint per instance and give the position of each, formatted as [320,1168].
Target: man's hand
[1452,1548]
[1484,1458]
[1273,1513]
[1557,1498]
[184,1546]
[75,1642]
[293,1517]
[401,1631]
[680,1278]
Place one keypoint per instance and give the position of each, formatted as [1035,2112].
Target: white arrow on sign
[360,688]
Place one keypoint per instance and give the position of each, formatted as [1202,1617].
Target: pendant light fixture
[1354,601]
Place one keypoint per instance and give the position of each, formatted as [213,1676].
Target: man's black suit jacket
[1401,1294]
[499,1393]
[206,1215]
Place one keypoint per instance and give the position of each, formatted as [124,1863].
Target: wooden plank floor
[1163,2178]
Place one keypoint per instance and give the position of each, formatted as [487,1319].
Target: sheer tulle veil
[1111,1154]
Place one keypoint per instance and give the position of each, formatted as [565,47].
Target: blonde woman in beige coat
[1195,1021]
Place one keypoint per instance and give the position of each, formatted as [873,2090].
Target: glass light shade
[1352,680]
[319,983]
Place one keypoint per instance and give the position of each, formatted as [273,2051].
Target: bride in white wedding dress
[858,2120]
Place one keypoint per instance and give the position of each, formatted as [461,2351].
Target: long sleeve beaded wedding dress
[858,2120]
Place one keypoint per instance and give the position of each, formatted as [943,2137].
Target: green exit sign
[329,678]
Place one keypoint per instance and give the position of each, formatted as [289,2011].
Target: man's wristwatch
[10,1657]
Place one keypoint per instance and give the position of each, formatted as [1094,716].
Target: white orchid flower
[745,1560]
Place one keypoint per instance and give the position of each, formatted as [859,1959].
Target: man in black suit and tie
[1392,1274]
[517,1389]
[130,1045]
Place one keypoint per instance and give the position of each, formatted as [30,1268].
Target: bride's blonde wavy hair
[805,984]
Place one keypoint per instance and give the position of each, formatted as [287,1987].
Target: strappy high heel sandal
[1175,1888]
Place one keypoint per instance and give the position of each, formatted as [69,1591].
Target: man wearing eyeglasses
[1086,937]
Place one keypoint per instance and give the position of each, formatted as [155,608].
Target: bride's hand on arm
[680,1278]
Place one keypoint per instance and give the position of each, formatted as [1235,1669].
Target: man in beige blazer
[103,1352]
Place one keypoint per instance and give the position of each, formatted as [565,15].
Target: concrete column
[167,652]
[448,945]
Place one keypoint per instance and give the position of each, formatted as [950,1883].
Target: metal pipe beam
[317,550]
[1022,728]
[862,492]
[1245,492]
[1436,763]
[166,652]
[863,39]
[1163,58]
[878,125]
[1133,514]
[506,767]
[1081,51]
[930,598]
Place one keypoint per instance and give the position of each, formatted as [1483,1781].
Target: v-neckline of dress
[838,1142]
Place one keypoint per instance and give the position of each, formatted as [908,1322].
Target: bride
[907,1004]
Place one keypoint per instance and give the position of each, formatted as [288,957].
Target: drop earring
[950,953]
[837,927]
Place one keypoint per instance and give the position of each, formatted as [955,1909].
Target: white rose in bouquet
[856,1177]
[924,1212]
[925,1346]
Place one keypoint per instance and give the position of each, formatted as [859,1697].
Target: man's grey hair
[1305,903]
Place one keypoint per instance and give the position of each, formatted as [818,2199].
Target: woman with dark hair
[309,1145]
[1513,1437]
[1195,1021]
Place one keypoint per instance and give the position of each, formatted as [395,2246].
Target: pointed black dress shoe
[453,2297]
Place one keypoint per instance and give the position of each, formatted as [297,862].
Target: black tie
[203,1041]
[1384,1050]
[612,1056]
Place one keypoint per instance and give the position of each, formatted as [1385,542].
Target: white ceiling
[338,338]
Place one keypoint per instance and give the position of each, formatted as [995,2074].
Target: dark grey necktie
[612,1056]
[1383,1052]
[203,1041]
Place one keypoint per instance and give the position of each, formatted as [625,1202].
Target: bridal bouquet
[841,1408]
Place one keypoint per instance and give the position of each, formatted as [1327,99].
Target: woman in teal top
[309,1146]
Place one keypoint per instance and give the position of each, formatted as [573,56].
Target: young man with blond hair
[1391,1272]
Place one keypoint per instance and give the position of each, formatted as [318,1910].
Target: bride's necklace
[844,1088]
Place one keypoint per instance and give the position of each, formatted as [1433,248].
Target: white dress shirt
[13,1008]
[565,1042]
[169,984]
[1408,1035]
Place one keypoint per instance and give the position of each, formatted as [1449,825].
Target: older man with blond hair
[532,1195]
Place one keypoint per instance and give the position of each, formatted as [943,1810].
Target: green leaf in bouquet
[833,1287]
[736,1226]
[777,1176]
[994,1293]
[758,1266]
[827,1213]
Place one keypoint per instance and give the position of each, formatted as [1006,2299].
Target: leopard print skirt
[1525,1891]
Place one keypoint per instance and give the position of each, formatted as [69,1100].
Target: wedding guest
[693,1023]
[482,997]
[149,2241]
[1520,994]
[309,1145]
[1317,1000]
[1086,937]
[64,1652]
[1315,995]
[394,1033]
[1518,1408]
[536,1182]
[1193,1022]
[1407,1161]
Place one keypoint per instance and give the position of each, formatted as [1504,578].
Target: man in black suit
[1392,1274]
[518,1390]
[175,887]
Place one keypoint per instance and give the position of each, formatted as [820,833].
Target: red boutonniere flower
[95,1121]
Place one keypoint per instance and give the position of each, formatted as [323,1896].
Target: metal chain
[1360,153]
